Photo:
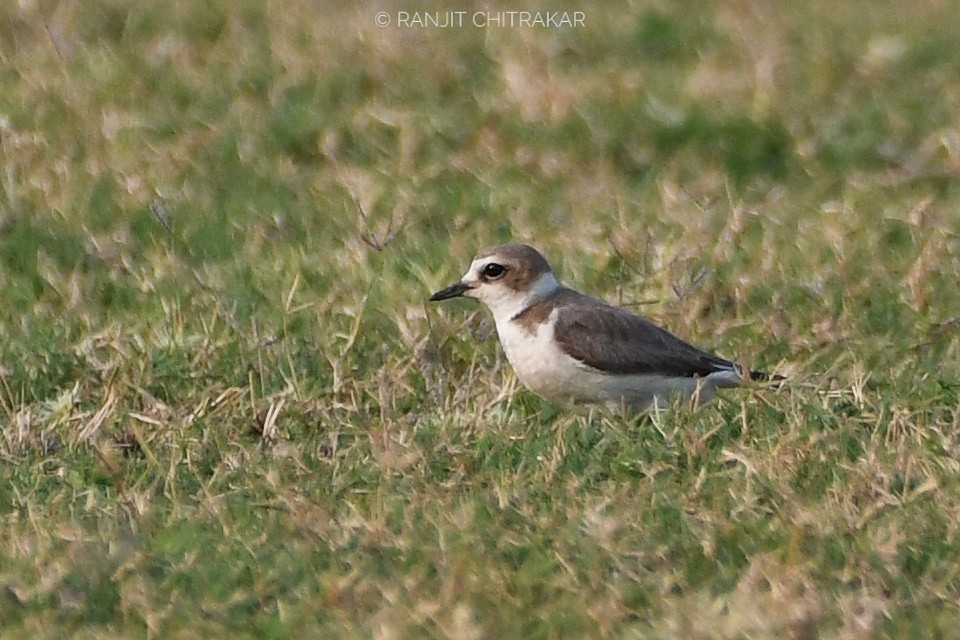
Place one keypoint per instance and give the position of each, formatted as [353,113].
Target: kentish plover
[566,346]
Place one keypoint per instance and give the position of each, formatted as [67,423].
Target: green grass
[227,410]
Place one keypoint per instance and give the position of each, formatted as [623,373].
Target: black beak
[453,291]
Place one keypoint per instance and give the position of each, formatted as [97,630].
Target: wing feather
[612,339]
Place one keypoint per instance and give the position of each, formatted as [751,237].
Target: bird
[571,348]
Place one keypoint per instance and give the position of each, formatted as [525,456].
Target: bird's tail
[763,376]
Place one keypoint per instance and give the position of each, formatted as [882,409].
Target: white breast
[539,363]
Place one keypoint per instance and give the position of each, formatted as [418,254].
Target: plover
[566,346]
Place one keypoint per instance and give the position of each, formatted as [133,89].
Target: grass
[227,409]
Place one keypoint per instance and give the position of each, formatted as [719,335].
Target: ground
[227,410]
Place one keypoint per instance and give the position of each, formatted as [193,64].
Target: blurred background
[810,147]
[219,223]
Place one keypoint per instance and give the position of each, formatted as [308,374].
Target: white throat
[506,303]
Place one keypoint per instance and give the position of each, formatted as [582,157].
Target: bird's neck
[506,307]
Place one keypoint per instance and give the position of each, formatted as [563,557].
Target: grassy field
[229,411]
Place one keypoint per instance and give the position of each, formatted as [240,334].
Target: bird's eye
[493,271]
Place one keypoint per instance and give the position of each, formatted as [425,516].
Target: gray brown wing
[613,339]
